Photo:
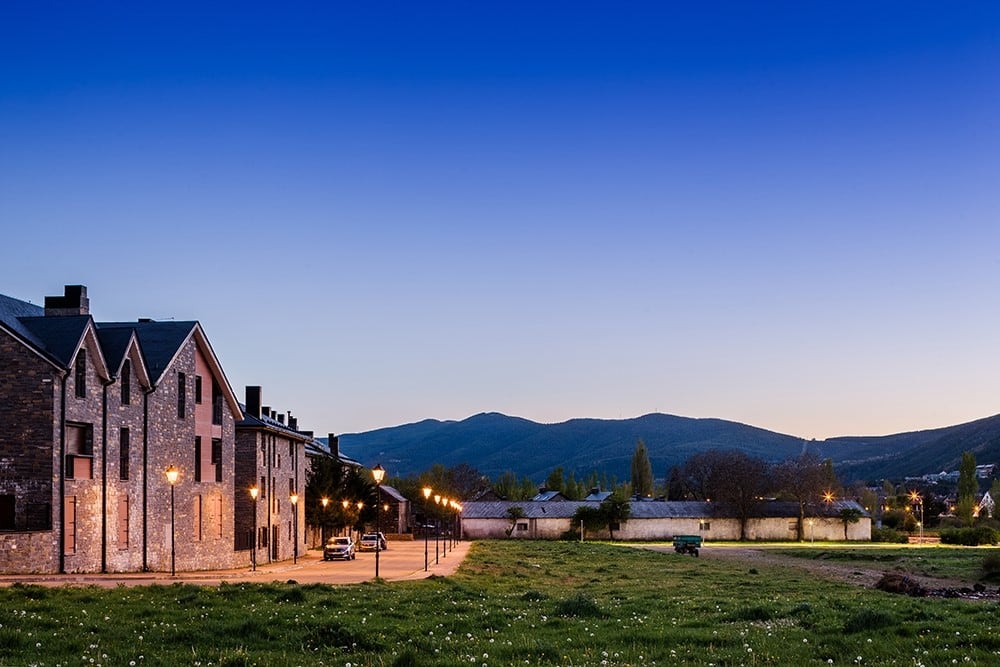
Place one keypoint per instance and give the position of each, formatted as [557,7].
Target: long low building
[662,520]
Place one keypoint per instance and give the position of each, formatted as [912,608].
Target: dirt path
[852,573]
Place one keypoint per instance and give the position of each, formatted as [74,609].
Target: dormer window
[80,378]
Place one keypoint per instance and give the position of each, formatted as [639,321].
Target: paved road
[402,560]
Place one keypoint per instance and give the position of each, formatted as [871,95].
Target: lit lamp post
[322,526]
[427,495]
[172,474]
[254,492]
[437,531]
[347,517]
[378,474]
[294,500]
[917,499]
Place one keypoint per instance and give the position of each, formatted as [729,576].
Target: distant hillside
[494,443]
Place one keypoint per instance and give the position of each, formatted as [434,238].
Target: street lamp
[437,530]
[916,498]
[347,517]
[322,526]
[254,492]
[378,474]
[427,495]
[172,474]
[294,499]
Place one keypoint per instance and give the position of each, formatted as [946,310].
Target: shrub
[888,535]
[579,606]
[991,567]
[970,537]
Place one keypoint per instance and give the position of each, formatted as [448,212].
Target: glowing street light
[254,492]
[427,494]
[378,474]
[917,499]
[172,474]
[294,500]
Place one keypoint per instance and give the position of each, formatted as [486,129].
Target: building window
[37,516]
[181,395]
[197,389]
[69,525]
[291,449]
[7,512]
[216,403]
[291,485]
[80,378]
[196,513]
[124,446]
[263,487]
[197,458]
[522,526]
[79,451]
[126,382]
[704,525]
[217,458]
[123,523]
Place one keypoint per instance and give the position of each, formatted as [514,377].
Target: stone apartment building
[95,415]
[270,458]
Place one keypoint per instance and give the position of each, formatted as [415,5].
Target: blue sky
[784,214]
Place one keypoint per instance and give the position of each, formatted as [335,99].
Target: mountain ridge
[494,442]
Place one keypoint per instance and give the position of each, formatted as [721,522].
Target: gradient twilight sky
[784,214]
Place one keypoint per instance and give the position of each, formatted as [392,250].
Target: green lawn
[512,603]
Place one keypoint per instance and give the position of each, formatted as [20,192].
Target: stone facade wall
[82,539]
[125,495]
[203,510]
[29,392]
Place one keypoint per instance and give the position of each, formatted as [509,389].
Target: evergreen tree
[555,481]
[642,471]
[968,488]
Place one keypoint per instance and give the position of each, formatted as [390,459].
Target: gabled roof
[61,336]
[549,496]
[393,493]
[159,341]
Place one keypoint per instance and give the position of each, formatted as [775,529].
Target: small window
[79,451]
[126,382]
[80,378]
[197,458]
[197,389]
[7,512]
[793,526]
[181,395]
[263,487]
[704,525]
[522,526]
[217,458]
[124,445]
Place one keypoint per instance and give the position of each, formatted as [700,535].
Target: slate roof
[159,341]
[319,448]
[11,312]
[266,422]
[393,493]
[60,336]
[114,343]
[641,510]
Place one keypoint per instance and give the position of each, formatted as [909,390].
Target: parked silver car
[339,547]
[369,540]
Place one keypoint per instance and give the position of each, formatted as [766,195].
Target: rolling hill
[494,443]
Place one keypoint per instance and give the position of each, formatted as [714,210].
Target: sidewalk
[402,561]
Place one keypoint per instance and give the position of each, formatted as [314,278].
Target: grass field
[512,603]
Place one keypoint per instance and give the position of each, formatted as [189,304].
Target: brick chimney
[253,401]
[334,444]
[74,301]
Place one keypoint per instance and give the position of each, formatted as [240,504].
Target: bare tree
[802,480]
